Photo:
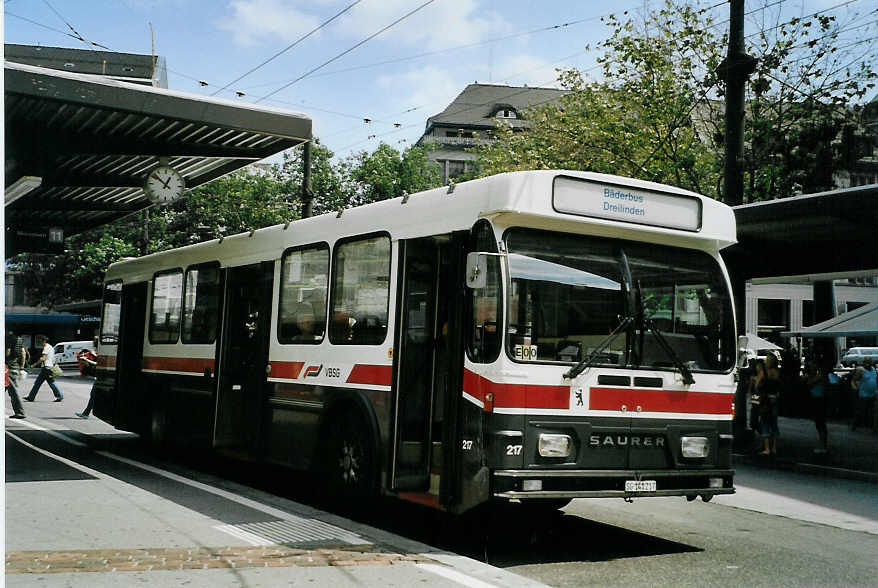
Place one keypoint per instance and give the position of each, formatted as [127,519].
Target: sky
[397,79]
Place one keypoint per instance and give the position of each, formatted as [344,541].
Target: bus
[534,336]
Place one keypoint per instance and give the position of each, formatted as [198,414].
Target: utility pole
[735,69]
[307,192]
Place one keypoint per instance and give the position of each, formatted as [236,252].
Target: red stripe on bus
[516,395]
[289,370]
[178,364]
[422,498]
[680,401]
[377,375]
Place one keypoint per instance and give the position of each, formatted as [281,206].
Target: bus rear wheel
[350,460]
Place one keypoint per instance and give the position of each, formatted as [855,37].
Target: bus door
[130,403]
[243,356]
[418,343]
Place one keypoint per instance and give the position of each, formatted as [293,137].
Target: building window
[201,304]
[456,168]
[506,113]
[167,294]
[360,291]
[304,275]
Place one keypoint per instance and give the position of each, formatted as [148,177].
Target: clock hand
[166,182]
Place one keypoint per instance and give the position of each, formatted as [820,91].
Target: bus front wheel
[350,458]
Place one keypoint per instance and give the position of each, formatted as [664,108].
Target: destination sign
[626,204]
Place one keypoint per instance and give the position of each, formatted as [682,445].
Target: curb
[808,468]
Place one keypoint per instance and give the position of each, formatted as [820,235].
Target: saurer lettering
[626,440]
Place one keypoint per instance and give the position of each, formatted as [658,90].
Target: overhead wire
[290,46]
[346,51]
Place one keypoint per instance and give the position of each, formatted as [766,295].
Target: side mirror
[476,270]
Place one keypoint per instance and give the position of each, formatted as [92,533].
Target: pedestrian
[866,383]
[48,370]
[769,393]
[14,364]
[91,402]
[818,381]
[757,371]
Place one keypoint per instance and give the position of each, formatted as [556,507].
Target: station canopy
[79,147]
[859,322]
[826,233]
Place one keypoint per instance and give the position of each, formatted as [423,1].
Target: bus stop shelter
[78,148]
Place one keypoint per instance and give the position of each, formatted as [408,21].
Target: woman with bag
[48,371]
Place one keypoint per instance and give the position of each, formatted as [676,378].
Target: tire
[349,463]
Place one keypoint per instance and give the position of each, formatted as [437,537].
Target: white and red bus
[535,336]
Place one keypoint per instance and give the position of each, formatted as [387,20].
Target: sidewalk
[852,454]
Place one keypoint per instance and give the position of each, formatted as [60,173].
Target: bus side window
[360,294]
[483,345]
[167,298]
[201,303]
[302,313]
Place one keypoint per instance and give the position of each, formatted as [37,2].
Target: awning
[754,342]
[79,147]
[861,321]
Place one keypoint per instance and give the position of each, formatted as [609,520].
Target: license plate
[639,485]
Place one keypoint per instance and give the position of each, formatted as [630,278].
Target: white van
[66,352]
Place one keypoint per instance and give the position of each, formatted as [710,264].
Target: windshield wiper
[587,362]
[660,337]
[663,343]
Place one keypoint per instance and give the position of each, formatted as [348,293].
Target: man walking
[47,373]
[14,364]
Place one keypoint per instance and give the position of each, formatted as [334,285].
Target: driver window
[483,344]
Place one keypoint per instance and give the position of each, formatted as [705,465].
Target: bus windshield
[568,292]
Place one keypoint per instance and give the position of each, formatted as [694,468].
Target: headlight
[555,445]
[694,446]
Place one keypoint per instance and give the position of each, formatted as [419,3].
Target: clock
[164,184]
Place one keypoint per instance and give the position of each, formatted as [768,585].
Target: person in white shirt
[47,361]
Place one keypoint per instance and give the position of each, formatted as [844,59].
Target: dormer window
[506,113]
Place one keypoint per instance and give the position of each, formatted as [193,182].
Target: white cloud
[439,25]
[517,70]
[255,21]
[436,26]
[428,89]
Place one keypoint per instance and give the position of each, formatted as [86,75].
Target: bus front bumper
[536,484]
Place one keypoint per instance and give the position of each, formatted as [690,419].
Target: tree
[329,180]
[656,114]
[387,173]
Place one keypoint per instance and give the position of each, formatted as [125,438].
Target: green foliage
[386,173]
[656,112]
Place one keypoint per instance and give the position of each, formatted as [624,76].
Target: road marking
[244,535]
[63,460]
[455,576]
[55,434]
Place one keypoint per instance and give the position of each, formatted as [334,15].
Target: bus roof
[516,198]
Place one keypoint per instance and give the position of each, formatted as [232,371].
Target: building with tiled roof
[470,119]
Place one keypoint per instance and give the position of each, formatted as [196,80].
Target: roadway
[85,506]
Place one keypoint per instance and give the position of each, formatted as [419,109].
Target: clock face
[164,184]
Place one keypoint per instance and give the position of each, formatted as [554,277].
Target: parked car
[855,356]
[66,352]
